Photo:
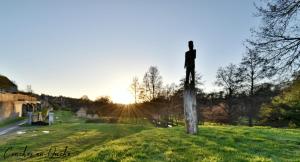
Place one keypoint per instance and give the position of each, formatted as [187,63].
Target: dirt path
[11,128]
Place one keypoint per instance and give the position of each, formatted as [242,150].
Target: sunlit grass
[213,143]
[135,142]
[68,131]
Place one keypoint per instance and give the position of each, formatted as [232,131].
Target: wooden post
[29,121]
[190,112]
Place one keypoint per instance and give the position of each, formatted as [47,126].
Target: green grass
[68,131]
[8,121]
[126,142]
[213,143]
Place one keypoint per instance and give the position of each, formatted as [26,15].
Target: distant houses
[83,113]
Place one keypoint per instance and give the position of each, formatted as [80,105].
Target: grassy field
[125,142]
[213,143]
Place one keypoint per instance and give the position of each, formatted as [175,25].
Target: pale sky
[95,47]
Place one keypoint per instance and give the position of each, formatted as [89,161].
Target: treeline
[234,104]
[263,89]
[267,78]
[269,104]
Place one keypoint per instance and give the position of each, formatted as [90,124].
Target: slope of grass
[126,142]
[213,143]
[68,131]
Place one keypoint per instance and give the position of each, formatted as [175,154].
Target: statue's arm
[185,60]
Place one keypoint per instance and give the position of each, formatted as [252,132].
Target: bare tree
[229,78]
[198,83]
[252,72]
[169,91]
[85,97]
[103,100]
[29,89]
[152,83]
[135,88]
[278,38]
[84,100]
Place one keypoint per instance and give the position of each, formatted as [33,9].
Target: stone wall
[11,104]
[7,109]
[4,97]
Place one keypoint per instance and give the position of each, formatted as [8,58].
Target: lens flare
[122,96]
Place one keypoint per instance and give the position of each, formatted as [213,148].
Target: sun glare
[122,96]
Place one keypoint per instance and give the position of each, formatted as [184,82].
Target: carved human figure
[189,64]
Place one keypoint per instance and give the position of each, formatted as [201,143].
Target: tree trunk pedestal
[190,112]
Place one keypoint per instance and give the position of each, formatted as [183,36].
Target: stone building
[16,104]
[82,112]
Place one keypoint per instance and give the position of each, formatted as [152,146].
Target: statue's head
[191,45]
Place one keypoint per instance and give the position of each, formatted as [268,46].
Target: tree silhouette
[278,38]
[152,83]
[251,71]
[135,88]
[229,78]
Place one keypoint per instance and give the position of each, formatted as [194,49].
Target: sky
[95,47]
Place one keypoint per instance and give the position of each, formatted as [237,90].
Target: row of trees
[249,90]
[244,79]
[272,54]
[284,109]
[151,86]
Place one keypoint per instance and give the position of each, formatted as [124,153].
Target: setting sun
[122,96]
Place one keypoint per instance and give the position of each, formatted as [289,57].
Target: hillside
[130,142]
[6,84]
